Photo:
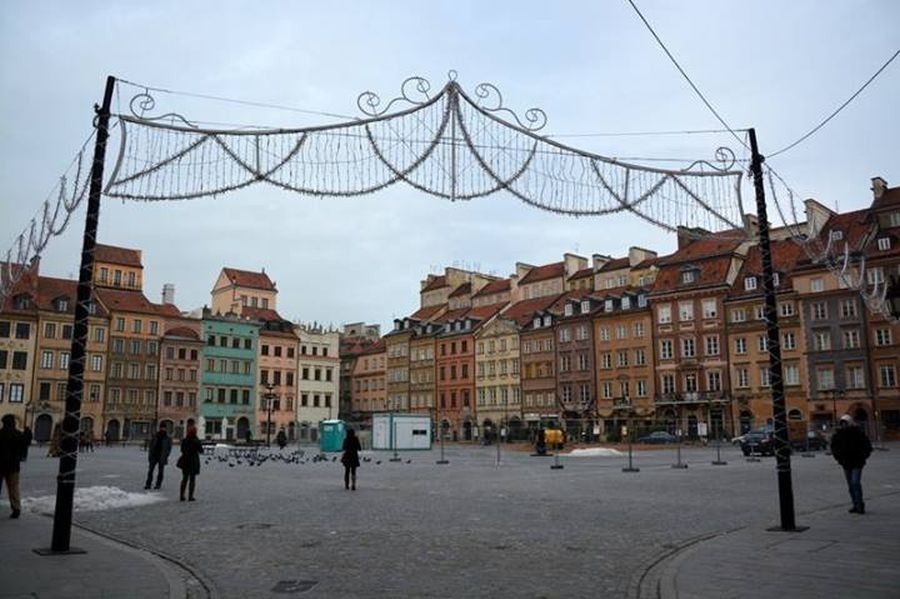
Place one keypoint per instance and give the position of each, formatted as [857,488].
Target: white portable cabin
[401,432]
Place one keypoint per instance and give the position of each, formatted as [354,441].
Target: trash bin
[331,435]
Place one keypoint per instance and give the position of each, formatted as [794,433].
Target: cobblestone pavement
[467,529]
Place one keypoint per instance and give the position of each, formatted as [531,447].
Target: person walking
[189,462]
[281,439]
[26,443]
[12,444]
[851,447]
[158,455]
[350,459]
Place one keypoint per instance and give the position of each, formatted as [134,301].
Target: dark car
[758,442]
[658,437]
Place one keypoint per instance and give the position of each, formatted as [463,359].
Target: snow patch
[94,499]
[593,452]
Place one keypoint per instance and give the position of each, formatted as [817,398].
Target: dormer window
[585,306]
[623,280]
[92,308]
[688,276]
[537,322]
[884,243]
[547,320]
[568,310]
[626,303]
[62,304]
[447,327]
[642,301]
[749,283]
[608,305]
[776,279]
[468,324]
[458,325]
[837,235]
[21,302]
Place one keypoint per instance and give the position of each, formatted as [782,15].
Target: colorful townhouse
[181,362]
[18,336]
[353,339]
[576,382]
[369,393]
[537,346]
[318,377]
[228,382]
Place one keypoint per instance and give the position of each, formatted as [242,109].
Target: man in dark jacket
[851,447]
[158,455]
[12,444]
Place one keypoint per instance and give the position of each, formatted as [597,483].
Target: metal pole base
[629,469]
[45,551]
[556,467]
[795,529]
[680,466]
[752,459]
[807,454]
[442,462]
[719,463]
[395,460]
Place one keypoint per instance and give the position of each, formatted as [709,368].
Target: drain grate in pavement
[254,526]
[294,586]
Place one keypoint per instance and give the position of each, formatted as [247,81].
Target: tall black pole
[782,448]
[65,480]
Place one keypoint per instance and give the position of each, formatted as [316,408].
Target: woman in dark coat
[189,462]
[350,459]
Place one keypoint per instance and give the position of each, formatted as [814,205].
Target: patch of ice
[94,499]
[594,452]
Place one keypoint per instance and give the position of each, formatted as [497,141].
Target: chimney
[168,293]
[879,186]
[599,260]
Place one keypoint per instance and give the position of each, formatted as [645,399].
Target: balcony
[691,397]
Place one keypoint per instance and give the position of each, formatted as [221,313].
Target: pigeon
[378,463]
[409,461]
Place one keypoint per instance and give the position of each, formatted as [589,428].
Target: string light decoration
[450,144]
[51,220]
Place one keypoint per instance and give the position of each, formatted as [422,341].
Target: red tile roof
[427,312]
[576,295]
[274,333]
[117,255]
[183,332]
[713,271]
[51,288]
[451,315]
[890,197]
[246,278]
[168,310]
[499,286]
[462,290]
[126,301]
[376,348]
[583,274]
[436,283]
[785,255]
[264,314]
[483,313]
[27,284]
[522,312]
[542,273]
[717,244]
[854,227]
[615,264]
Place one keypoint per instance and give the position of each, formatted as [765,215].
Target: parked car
[759,441]
[658,437]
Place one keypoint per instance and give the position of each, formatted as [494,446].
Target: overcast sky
[592,66]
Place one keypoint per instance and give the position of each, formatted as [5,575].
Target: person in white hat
[851,448]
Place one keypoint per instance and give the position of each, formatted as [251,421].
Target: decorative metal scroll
[448,144]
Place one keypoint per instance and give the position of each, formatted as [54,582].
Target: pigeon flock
[254,457]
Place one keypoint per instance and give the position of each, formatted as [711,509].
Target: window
[787,309]
[749,283]
[664,314]
[626,302]
[764,374]
[638,329]
[668,384]
[604,333]
[690,383]
[622,359]
[882,336]
[50,330]
[137,325]
[875,275]
[822,341]
[4,329]
[47,359]
[819,311]
[621,332]
[120,324]
[99,334]
[688,348]
[665,349]
[825,379]
[23,330]
[688,276]
[776,279]
[714,380]
[791,374]
[264,350]
[135,347]
[685,311]
[712,345]
[851,339]
[607,390]
[762,343]
[760,311]
[789,341]
[608,305]
[740,345]
[855,377]
[884,244]
[710,309]
[641,388]
[20,360]
[104,274]
[887,376]
[568,310]
[16,393]
[96,363]
[606,361]
[640,357]
[817,285]
[738,315]
[848,308]
[742,378]
[290,352]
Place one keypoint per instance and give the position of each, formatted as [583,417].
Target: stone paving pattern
[473,529]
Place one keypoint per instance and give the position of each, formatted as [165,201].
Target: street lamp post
[440,429]
[629,432]
[718,461]
[269,397]
[395,458]
[678,436]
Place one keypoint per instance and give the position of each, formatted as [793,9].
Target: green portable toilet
[331,435]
